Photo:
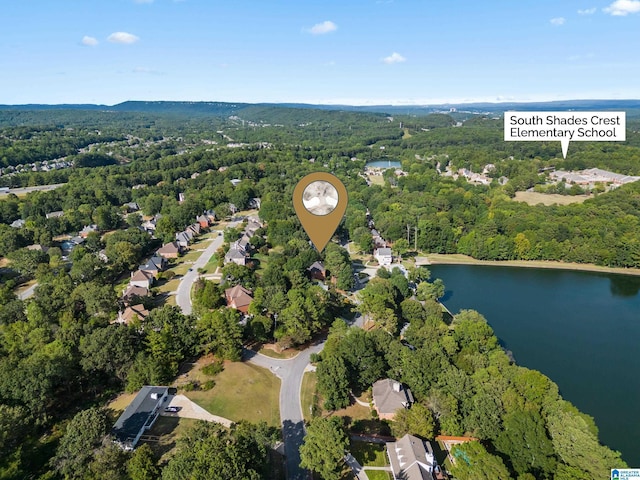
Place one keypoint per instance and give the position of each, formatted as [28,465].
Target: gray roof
[234,253]
[384,251]
[136,415]
[387,399]
[18,223]
[412,458]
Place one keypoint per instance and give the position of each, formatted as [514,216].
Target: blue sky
[348,51]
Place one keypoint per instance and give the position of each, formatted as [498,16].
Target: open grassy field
[534,198]
[243,392]
[376,179]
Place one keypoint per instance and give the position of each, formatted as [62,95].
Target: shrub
[213,368]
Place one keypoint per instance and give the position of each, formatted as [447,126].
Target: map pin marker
[320,200]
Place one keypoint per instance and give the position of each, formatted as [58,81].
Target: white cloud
[89,41]
[122,37]
[321,28]
[557,21]
[395,57]
[587,11]
[621,8]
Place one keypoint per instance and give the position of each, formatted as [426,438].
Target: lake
[383,164]
[581,329]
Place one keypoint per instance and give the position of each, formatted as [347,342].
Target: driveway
[189,409]
[290,371]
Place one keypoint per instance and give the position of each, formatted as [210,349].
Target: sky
[357,52]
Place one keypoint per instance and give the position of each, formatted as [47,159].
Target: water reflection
[624,286]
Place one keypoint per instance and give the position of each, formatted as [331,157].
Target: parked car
[172,409]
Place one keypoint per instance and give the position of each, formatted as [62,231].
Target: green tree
[108,350]
[220,333]
[333,383]
[418,420]
[323,448]
[142,465]
[473,462]
[208,450]
[83,434]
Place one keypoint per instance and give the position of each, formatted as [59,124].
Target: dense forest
[71,358]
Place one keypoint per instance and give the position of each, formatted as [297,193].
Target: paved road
[25,190]
[183,293]
[290,372]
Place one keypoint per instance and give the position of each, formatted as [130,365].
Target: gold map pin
[320,200]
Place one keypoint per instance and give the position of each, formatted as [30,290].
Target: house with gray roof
[389,396]
[139,416]
[412,459]
[236,256]
[18,223]
[383,256]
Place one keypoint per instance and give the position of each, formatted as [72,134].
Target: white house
[383,256]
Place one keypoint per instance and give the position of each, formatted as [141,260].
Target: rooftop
[138,413]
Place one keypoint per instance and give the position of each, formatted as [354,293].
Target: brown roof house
[389,396]
[317,271]
[412,459]
[141,279]
[169,250]
[134,294]
[239,298]
[131,313]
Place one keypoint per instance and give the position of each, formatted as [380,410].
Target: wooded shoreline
[459,259]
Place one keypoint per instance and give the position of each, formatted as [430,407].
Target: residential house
[239,298]
[18,223]
[236,256]
[255,203]
[38,248]
[383,256]
[84,233]
[194,228]
[56,214]
[150,225]
[203,221]
[317,271]
[389,396]
[184,238]
[133,294]
[141,279]
[169,250]
[235,182]
[131,313]
[252,227]
[139,416]
[154,265]
[244,244]
[132,207]
[211,215]
[412,459]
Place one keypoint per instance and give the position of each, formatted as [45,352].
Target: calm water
[581,329]
[383,164]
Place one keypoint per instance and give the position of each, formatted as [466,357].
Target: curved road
[290,372]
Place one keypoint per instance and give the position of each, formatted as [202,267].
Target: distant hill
[226,109]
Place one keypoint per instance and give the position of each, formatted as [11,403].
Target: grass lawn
[376,179]
[270,352]
[369,454]
[169,429]
[379,475]
[243,392]
[534,198]
[121,402]
[308,395]
[170,286]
